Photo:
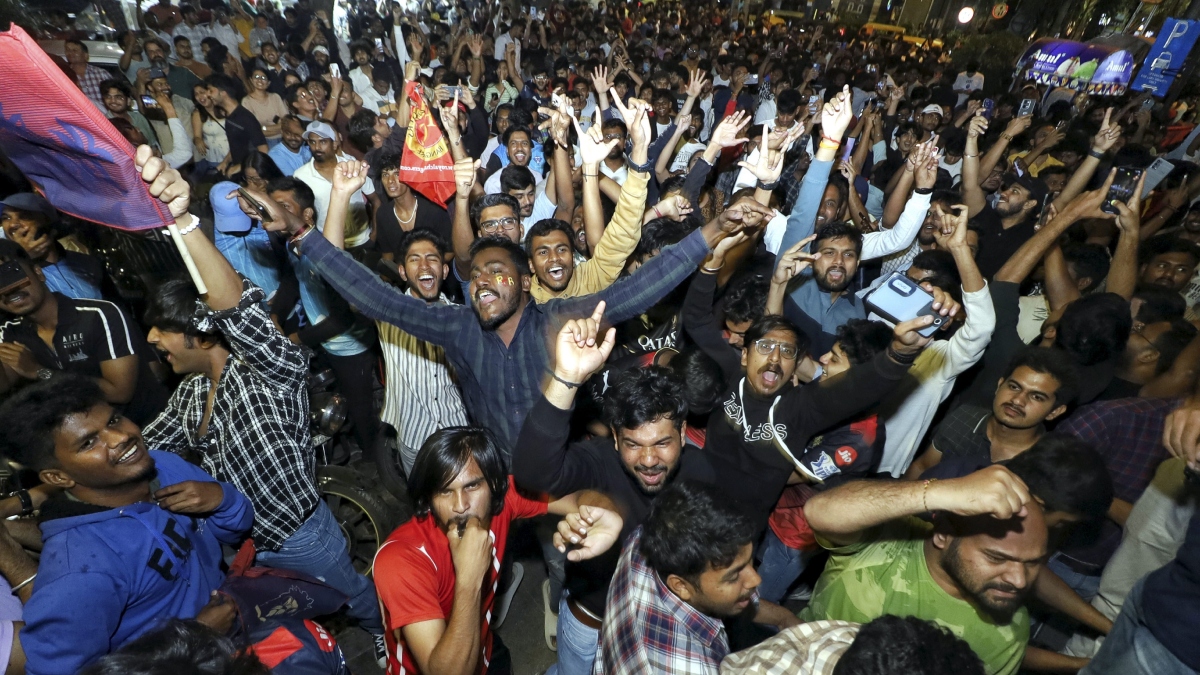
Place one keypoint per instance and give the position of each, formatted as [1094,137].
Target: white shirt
[194,34]
[502,44]
[227,35]
[875,244]
[907,412]
[618,176]
[968,82]
[358,225]
[492,185]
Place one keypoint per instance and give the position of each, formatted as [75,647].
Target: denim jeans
[1131,649]
[780,567]
[1086,585]
[577,644]
[318,549]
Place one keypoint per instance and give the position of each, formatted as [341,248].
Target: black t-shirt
[244,134]
[429,216]
[996,244]
[90,332]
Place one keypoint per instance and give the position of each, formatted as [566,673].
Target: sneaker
[803,593]
[549,618]
[504,600]
[381,653]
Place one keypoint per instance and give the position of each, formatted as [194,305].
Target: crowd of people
[962,313]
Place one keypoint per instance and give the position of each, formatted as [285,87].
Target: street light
[966,14]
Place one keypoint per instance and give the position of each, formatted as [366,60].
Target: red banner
[426,165]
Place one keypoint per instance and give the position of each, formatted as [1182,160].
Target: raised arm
[463,235]
[1086,205]
[662,166]
[1122,274]
[1101,143]
[699,319]
[843,514]
[224,284]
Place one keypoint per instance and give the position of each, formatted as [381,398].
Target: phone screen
[263,214]
[989,106]
[149,102]
[1121,189]
[1027,106]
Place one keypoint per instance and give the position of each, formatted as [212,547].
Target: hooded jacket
[108,575]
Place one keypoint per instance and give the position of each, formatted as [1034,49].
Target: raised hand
[465,170]
[743,214]
[1018,125]
[475,44]
[769,166]
[449,114]
[695,85]
[1108,134]
[952,227]
[163,182]
[592,146]
[636,117]
[1087,204]
[1129,217]
[349,176]
[588,532]
[726,133]
[675,207]
[600,80]
[579,350]
[993,491]
[977,126]
[837,115]
[925,175]
[794,261]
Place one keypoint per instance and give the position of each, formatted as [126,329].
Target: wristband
[1006,137]
[189,228]
[26,502]
[25,583]
[828,145]
[923,191]
[768,186]
[640,168]
[568,384]
[925,493]
[831,140]
[657,214]
[902,359]
[1095,153]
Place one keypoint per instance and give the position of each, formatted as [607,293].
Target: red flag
[425,164]
[65,145]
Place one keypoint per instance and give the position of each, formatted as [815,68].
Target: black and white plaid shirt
[257,437]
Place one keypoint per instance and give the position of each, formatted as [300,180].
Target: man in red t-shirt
[436,575]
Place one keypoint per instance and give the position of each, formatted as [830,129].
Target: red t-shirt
[414,577]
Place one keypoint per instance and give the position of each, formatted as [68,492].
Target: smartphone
[378,44]
[335,71]
[752,79]
[817,68]
[454,90]
[849,149]
[901,299]
[1027,106]
[814,104]
[1121,189]
[1016,167]
[988,107]
[149,102]
[872,68]
[12,275]
[263,214]
[1148,103]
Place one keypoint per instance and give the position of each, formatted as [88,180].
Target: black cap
[1036,187]
[33,202]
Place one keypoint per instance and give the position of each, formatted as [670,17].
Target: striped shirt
[501,382]
[422,395]
[813,648]
[89,83]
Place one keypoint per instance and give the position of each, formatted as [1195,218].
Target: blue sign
[1166,57]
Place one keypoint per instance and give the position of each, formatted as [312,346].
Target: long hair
[443,456]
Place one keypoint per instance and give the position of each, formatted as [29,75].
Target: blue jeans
[318,549]
[1086,585]
[780,567]
[1131,649]
[577,644]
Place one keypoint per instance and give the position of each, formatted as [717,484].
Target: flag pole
[188,262]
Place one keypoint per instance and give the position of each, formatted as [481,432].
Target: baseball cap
[320,129]
[227,215]
[933,108]
[156,73]
[31,201]
[320,49]
[1036,187]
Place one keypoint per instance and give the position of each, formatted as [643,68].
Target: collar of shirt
[708,630]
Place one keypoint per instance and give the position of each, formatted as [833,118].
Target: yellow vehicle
[870,29]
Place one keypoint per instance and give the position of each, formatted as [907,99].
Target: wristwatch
[44,373]
[641,168]
[26,502]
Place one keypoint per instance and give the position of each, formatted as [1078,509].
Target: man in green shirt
[970,570]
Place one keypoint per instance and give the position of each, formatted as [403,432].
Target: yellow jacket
[615,246]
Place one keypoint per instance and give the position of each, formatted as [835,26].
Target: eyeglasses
[765,347]
[491,226]
[614,137]
[259,76]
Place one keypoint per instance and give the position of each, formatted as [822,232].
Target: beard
[506,312]
[1000,610]
[651,490]
[827,286]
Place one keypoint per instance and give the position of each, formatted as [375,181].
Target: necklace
[410,217]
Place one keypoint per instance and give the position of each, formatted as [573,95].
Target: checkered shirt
[648,630]
[812,648]
[1127,432]
[257,436]
[90,81]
